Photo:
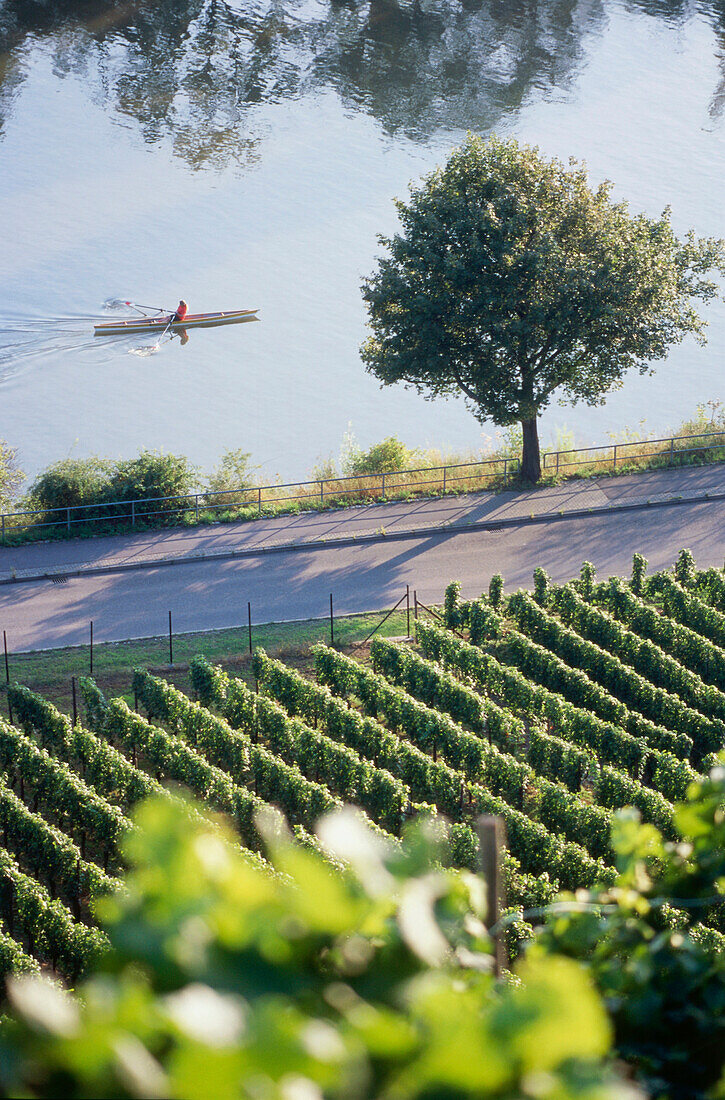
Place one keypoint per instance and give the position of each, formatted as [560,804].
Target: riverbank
[700,443]
[361,524]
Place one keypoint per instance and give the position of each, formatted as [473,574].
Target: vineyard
[550,709]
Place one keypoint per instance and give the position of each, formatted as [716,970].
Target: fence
[464,476]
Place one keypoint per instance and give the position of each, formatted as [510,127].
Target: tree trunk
[531,457]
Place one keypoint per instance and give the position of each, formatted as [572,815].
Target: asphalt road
[296,584]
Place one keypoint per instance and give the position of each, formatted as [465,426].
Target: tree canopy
[513,280]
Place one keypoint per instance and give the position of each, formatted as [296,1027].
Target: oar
[172,318]
[139,306]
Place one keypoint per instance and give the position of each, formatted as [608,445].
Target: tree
[11,477]
[512,279]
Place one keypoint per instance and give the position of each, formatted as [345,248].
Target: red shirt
[181,311]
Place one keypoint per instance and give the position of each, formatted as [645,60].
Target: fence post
[7,666]
[133,513]
[505,471]
[259,501]
[383,490]
[557,463]
[68,518]
[196,499]
[407,607]
[614,465]
[322,492]
[672,449]
[75,707]
[171,642]
[445,469]
[249,623]
[332,624]
[3,525]
[492,838]
[91,647]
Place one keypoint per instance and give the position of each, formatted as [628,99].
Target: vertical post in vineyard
[492,839]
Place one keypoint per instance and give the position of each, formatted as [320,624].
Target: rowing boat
[159,324]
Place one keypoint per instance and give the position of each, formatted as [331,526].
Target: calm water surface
[247,156]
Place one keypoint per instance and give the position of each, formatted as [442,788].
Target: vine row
[608,671]
[318,756]
[659,770]
[547,754]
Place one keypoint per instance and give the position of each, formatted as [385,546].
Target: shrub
[382,458]
[75,482]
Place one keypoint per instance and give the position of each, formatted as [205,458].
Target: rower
[181,311]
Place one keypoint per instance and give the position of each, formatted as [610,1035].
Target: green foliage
[587,577]
[382,458]
[11,476]
[664,986]
[511,279]
[233,472]
[642,655]
[681,642]
[75,482]
[495,590]
[548,755]
[520,693]
[541,586]
[451,601]
[685,569]
[687,608]
[602,668]
[639,570]
[384,990]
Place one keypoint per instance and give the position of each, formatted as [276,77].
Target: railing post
[557,463]
[614,464]
[259,502]
[505,471]
[196,499]
[332,624]
[445,468]
[171,643]
[672,449]
[249,623]
[68,517]
[75,706]
[7,666]
[91,654]
[322,492]
[3,525]
[407,606]
[383,487]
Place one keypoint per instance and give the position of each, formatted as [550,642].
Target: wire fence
[481,474]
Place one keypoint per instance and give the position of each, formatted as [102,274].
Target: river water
[247,155]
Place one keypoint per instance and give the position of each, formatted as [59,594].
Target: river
[247,156]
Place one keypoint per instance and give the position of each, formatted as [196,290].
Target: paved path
[363,574]
[367,522]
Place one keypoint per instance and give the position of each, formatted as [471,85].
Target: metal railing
[320,491]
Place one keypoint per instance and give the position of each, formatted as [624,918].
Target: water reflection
[192,71]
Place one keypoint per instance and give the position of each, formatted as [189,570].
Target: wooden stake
[492,839]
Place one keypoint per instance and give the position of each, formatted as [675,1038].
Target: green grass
[50,671]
